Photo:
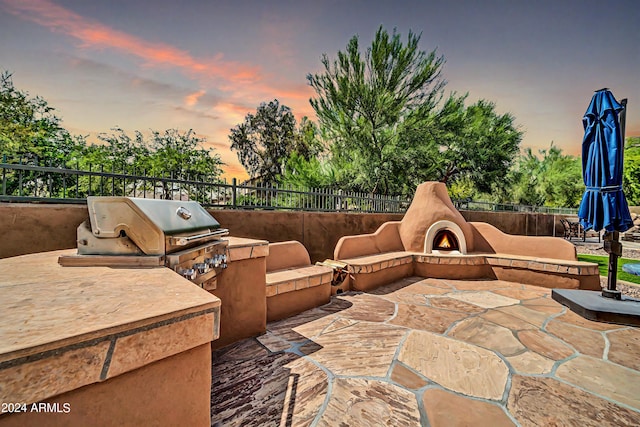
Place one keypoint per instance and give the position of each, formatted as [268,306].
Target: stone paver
[539,401]
[484,299]
[584,340]
[488,335]
[362,349]
[427,318]
[544,344]
[432,352]
[454,305]
[605,378]
[455,365]
[443,410]
[360,402]
[625,347]
[530,362]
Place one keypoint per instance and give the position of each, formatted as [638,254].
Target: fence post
[4,176]
[233,193]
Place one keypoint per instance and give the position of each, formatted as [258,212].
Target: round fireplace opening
[445,240]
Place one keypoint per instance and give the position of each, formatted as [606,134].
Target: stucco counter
[103,345]
[242,289]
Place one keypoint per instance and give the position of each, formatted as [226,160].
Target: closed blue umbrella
[603,205]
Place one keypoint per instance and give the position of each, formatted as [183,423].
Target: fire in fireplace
[445,240]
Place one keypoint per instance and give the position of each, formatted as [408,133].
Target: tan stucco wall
[290,303]
[171,392]
[242,289]
[317,231]
[29,228]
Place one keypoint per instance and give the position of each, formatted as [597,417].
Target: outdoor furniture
[584,234]
[571,229]
[575,229]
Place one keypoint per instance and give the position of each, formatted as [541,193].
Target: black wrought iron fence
[471,205]
[31,181]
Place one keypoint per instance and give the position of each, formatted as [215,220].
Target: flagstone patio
[436,353]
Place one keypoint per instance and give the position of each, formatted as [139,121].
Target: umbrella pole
[614,248]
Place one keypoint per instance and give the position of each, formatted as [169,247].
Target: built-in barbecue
[136,232]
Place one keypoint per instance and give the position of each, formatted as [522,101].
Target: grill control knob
[188,273]
[212,262]
[202,267]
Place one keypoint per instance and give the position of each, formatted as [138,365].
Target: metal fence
[29,181]
[32,182]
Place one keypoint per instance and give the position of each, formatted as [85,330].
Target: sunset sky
[204,65]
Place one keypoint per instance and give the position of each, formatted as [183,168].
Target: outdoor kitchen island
[103,345]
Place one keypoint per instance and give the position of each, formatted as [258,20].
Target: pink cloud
[93,34]
[192,99]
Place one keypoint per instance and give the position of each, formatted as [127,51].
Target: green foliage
[165,154]
[631,176]
[463,189]
[552,180]
[315,172]
[365,104]
[265,140]
[29,128]
[475,143]
[380,112]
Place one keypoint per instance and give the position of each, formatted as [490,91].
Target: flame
[444,242]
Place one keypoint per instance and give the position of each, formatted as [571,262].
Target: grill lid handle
[185,240]
[183,212]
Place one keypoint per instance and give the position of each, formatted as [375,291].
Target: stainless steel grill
[136,232]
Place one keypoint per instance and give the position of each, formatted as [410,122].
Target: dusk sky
[204,65]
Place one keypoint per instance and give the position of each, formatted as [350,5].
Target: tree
[552,180]
[28,126]
[265,140]
[165,154]
[474,143]
[366,104]
[631,177]
[383,115]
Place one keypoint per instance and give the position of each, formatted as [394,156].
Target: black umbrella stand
[613,247]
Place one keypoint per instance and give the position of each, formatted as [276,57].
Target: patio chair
[571,229]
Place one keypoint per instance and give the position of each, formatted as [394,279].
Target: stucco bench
[293,284]
[370,271]
[544,272]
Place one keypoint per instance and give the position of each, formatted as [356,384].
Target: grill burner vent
[445,240]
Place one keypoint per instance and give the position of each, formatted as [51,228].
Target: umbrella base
[593,306]
[607,293]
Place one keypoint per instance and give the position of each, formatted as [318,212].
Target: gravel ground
[626,288]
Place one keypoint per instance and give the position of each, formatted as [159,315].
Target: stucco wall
[29,228]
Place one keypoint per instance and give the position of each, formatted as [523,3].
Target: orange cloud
[192,99]
[93,34]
